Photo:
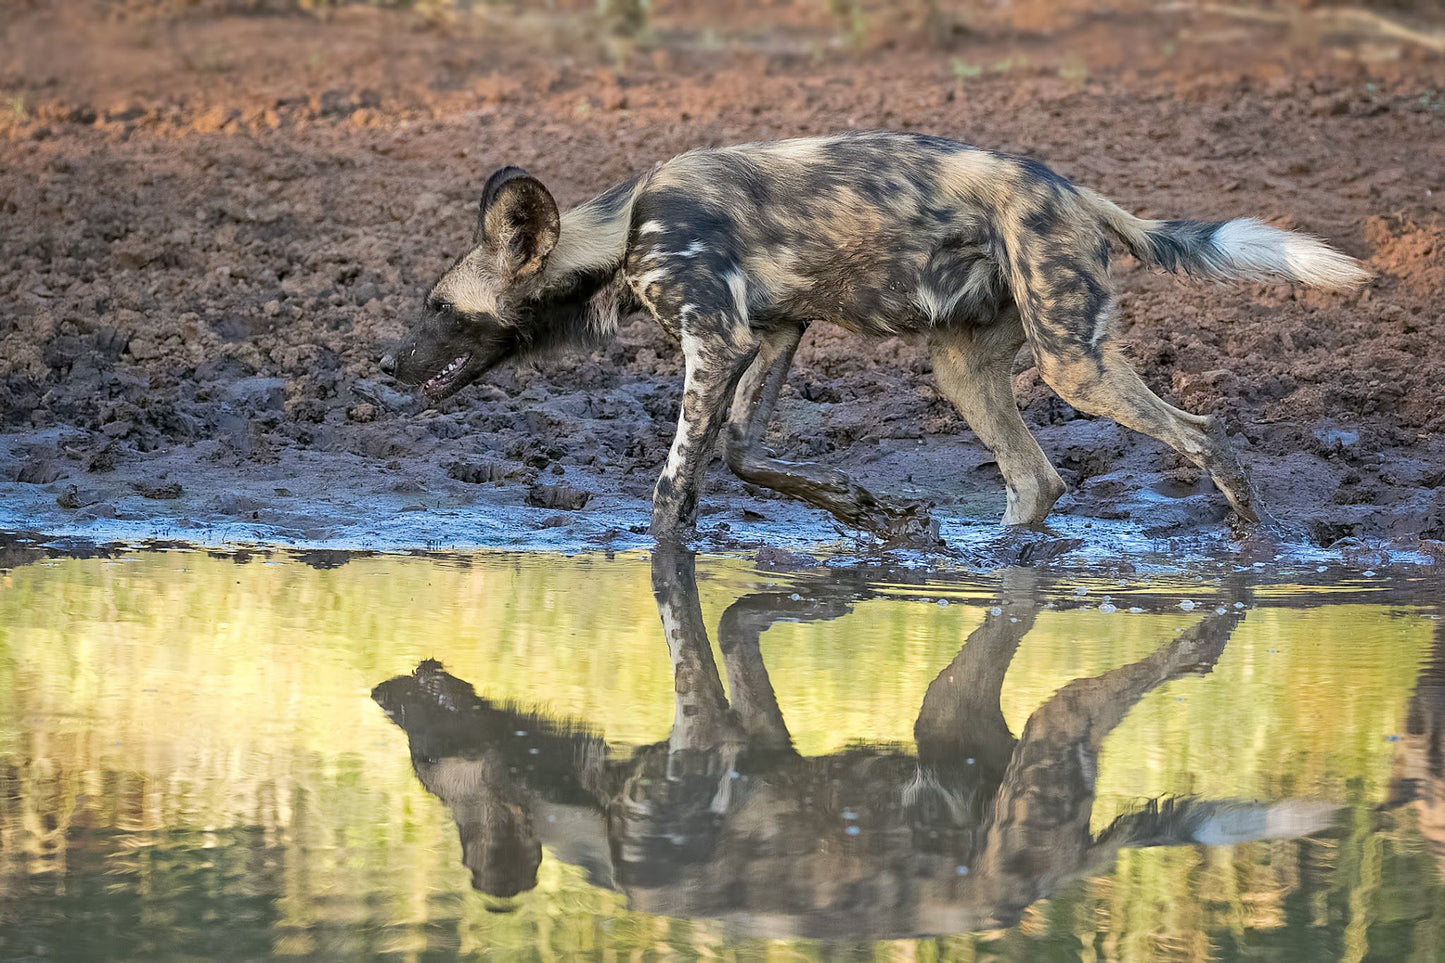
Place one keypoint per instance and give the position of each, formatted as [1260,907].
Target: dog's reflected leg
[739,634]
[961,717]
[1040,835]
[702,719]
[900,521]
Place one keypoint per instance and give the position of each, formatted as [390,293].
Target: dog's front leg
[898,522]
[715,362]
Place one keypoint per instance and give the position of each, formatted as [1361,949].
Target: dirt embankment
[215,223]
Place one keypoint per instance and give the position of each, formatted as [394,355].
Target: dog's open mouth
[448,379]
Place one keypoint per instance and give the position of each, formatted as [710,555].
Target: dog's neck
[593,239]
[583,289]
[582,293]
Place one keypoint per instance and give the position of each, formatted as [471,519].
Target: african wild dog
[735,250]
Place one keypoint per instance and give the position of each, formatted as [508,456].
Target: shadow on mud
[727,820]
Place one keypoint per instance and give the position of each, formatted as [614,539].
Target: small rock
[143,349]
[776,559]
[257,393]
[480,473]
[69,499]
[39,470]
[162,492]
[565,497]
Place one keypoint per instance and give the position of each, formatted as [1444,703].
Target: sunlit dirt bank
[217,214]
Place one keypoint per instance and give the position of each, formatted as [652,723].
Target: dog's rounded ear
[519,218]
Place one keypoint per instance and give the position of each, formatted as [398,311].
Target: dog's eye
[443,307]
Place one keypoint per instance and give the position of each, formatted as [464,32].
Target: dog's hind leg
[973,368]
[757,393]
[827,488]
[1099,379]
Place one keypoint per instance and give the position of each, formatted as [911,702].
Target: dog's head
[472,319]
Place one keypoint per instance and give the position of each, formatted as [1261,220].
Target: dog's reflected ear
[518,218]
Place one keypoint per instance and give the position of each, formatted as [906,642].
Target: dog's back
[887,232]
[879,232]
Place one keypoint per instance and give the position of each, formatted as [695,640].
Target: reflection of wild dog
[735,250]
[726,819]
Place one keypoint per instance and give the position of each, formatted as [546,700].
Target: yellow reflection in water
[168,705]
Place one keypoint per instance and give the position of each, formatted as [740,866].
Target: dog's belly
[885,296]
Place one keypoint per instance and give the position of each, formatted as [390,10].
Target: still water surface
[534,757]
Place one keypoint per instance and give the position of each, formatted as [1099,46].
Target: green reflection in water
[191,763]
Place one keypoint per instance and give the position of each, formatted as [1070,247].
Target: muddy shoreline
[211,257]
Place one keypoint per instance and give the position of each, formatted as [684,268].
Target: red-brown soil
[213,222]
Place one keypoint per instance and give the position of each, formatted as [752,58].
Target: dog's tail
[1239,250]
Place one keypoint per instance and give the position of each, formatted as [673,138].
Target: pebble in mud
[557,496]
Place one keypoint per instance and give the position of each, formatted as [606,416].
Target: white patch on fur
[1102,322]
[645,281]
[651,227]
[693,249]
[738,285]
[677,455]
[1251,250]
[692,353]
[798,150]
[936,306]
[588,241]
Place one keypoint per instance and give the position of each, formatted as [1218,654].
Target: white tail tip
[1251,250]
